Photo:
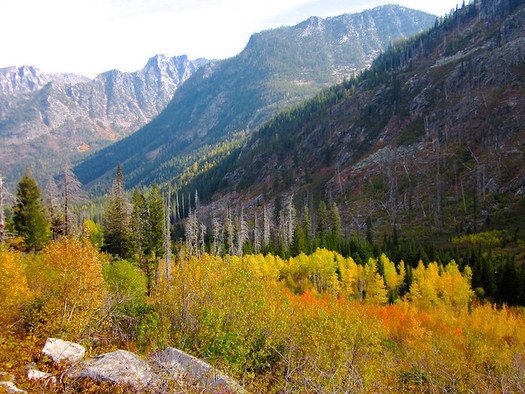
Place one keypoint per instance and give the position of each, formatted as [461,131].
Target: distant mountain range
[225,101]
[47,118]
[429,140]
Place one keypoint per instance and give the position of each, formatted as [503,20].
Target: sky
[88,37]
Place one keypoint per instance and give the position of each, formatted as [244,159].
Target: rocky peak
[26,79]
[23,79]
[68,110]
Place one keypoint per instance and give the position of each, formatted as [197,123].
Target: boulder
[60,350]
[10,387]
[194,372]
[7,383]
[35,374]
[119,367]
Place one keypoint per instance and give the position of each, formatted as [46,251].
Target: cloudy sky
[91,36]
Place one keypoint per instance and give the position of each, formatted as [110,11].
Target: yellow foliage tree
[438,286]
[67,277]
[14,291]
[374,284]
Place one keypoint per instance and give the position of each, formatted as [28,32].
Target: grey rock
[7,382]
[194,372]
[35,374]
[60,350]
[10,387]
[119,367]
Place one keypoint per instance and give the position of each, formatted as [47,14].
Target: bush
[70,290]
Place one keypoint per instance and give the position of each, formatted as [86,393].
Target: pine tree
[156,223]
[256,235]
[116,231]
[307,226]
[139,224]
[52,201]
[322,226]
[29,217]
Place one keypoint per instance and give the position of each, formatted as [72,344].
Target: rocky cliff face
[43,116]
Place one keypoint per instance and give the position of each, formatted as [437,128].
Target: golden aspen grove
[311,323]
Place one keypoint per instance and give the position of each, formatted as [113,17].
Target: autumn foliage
[322,323]
[312,323]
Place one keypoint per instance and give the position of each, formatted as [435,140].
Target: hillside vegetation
[429,139]
[311,323]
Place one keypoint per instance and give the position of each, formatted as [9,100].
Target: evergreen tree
[156,223]
[307,226]
[52,201]
[369,237]
[139,223]
[117,237]
[29,218]
[322,226]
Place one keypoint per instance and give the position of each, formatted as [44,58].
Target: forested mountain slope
[431,139]
[227,99]
[46,118]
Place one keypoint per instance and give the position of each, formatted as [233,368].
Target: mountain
[226,99]
[429,140]
[45,118]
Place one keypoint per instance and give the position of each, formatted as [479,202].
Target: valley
[338,208]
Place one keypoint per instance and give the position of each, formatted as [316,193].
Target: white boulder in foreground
[120,367]
[60,350]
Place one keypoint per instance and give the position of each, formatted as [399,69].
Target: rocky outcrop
[35,374]
[176,364]
[119,367]
[165,370]
[60,350]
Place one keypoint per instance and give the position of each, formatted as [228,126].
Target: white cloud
[91,37]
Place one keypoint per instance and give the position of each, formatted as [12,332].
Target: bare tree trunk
[256,235]
[167,236]
[266,227]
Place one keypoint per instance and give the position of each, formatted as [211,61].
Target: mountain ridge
[276,69]
[429,139]
[43,116]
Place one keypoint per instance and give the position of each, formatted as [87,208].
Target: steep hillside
[45,118]
[277,69]
[431,139]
